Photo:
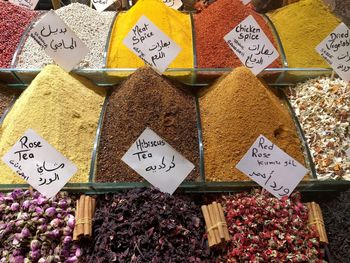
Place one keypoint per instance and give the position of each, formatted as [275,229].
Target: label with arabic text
[101,5]
[41,165]
[58,41]
[150,44]
[271,168]
[251,45]
[156,161]
[29,4]
[175,4]
[335,49]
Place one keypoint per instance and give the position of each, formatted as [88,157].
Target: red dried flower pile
[265,229]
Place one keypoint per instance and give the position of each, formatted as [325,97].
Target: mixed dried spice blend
[146,99]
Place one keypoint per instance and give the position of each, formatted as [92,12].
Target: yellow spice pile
[234,113]
[64,110]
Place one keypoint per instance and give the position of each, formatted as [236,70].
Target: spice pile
[64,109]
[145,225]
[6,96]
[213,23]
[144,100]
[323,108]
[14,21]
[336,214]
[236,110]
[36,229]
[301,27]
[90,26]
[265,229]
[173,23]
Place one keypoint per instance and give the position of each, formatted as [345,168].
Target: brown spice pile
[234,113]
[146,99]
[6,95]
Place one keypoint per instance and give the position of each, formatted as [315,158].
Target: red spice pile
[265,229]
[14,20]
[213,23]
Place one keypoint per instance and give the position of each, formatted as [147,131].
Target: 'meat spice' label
[245,2]
[29,4]
[271,168]
[40,164]
[335,49]
[156,161]
[101,5]
[152,45]
[59,41]
[251,45]
[175,4]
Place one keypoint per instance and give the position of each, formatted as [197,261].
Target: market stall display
[234,112]
[265,229]
[213,23]
[14,21]
[323,108]
[36,229]
[301,27]
[64,109]
[90,26]
[146,99]
[145,225]
[173,23]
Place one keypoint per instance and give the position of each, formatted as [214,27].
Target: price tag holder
[245,2]
[101,5]
[335,49]
[40,164]
[271,168]
[175,4]
[29,4]
[251,45]
[152,45]
[59,41]
[156,161]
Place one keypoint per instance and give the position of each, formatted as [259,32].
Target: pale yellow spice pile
[63,109]
[234,113]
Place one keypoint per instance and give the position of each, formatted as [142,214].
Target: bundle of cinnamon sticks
[316,218]
[216,224]
[85,210]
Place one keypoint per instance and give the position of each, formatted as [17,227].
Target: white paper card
[59,41]
[156,161]
[335,49]
[245,2]
[251,45]
[271,168]
[29,4]
[175,4]
[101,5]
[40,164]
[152,45]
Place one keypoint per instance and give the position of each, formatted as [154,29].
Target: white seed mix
[89,25]
[323,108]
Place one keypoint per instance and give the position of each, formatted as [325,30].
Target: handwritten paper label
[245,2]
[40,164]
[59,41]
[156,161]
[29,4]
[175,4]
[151,44]
[251,45]
[271,168]
[335,49]
[101,5]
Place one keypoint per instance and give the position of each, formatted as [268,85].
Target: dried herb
[265,229]
[145,225]
[336,214]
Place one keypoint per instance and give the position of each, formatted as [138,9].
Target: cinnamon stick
[223,219]
[209,224]
[80,225]
[218,221]
[75,231]
[87,215]
[214,222]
